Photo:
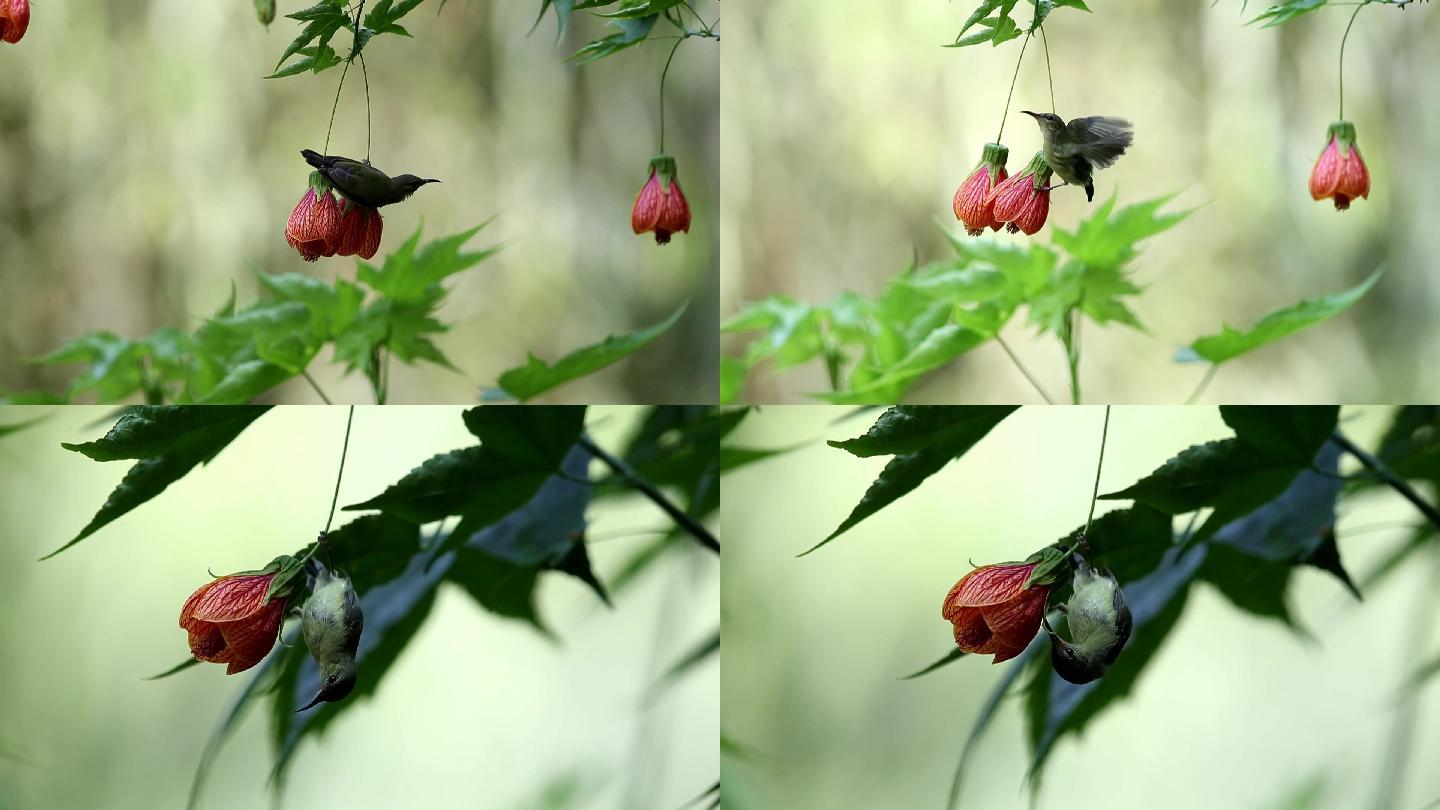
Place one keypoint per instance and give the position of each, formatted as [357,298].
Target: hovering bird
[1100,624]
[362,183]
[1076,149]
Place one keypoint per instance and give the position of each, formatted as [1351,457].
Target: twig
[306,374]
[1023,370]
[625,471]
[1099,465]
[1011,94]
[1388,477]
[1204,383]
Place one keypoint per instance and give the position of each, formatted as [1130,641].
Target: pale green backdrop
[478,711]
[1233,712]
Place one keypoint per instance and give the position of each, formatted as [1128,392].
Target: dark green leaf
[1232,477]
[953,655]
[168,462]
[536,377]
[906,472]
[697,655]
[180,667]
[1290,432]
[910,428]
[1130,542]
[631,32]
[154,430]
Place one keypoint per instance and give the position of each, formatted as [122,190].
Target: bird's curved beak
[429,181]
[319,696]
[1031,114]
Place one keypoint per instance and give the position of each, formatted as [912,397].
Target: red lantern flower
[973,205]
[314,226]
[359,231]
[230,622]
[14,19]
[660,206]
[1023,201]
[1340,172]
[993,612]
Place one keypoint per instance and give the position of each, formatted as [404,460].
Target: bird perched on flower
[362,183]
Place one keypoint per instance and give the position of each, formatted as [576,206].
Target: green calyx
[1051,561]
[319,183]
[1040,169]
[289,577]
[1343,132]
[664,165]
[994,156]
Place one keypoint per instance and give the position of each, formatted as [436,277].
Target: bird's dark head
[337,680]
[1049,122]
[409,183]
[1072,665]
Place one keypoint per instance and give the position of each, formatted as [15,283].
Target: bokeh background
[477,712]
[847,128]
[146,167]
[1232,712]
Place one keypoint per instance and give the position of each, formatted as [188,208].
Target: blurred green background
[847,128]
[1233,712]
[477,712]
[147,167]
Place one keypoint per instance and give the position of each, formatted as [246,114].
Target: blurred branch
[1388,477]
[634,479]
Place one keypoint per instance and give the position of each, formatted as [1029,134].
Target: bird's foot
[1054,186]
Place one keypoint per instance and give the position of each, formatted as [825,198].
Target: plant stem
[1204,383]
[1023,370]
[334,107]
[663,75]
[365,72]
[1388,477]
[334,499]
[311,380]
[1046,42]
[1343,40]
[1011,94]
[634,479]
[1099,465]
[1072,355]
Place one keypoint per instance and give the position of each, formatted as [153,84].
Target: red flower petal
[1016,621]
[1032,218]
[1354,176]
[1326,174]
[251,638]
[14,20]
[990,585]
[227,599]
[645,214]
[675,213]
[374,227]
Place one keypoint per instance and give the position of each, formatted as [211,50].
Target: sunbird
[1075,150]
[331,623]
[1100,624]
[362,183]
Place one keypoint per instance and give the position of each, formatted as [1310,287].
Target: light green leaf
[1230,343]
[536,376]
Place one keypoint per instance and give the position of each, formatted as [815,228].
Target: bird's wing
[355,178]
[1099,139]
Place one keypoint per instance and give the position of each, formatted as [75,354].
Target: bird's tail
[315,159]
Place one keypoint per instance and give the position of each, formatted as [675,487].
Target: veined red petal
[374,227]
[1354,176]
[990,585]
[675,212]
[1010,198]
[227,599]
[1326,174]
[645,214]
[1032,218]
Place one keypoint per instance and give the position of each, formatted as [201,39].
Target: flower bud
[265,11]
[661,206]
[1340,173]
[994,612]
[973,205]
[1023,201]
[14,20]
[235,619]
[314,225]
